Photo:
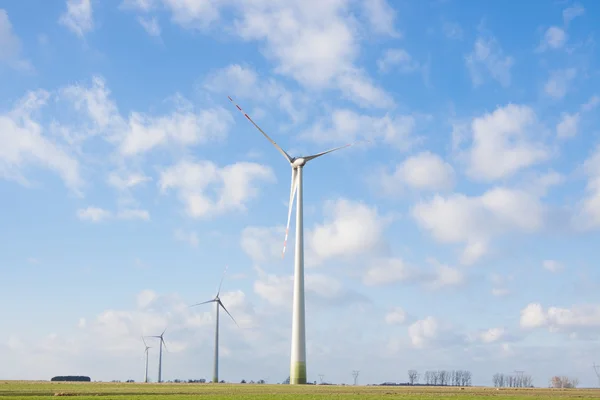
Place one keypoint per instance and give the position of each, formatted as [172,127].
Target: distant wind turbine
[219,304]
[146,351]
[162,342]
[298,354]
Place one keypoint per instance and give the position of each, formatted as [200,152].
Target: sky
[462,235]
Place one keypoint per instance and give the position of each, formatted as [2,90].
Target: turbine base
[298,373]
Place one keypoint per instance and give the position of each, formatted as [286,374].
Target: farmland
[40,390]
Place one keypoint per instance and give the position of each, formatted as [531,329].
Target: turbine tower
[298,353]
[219,304]
[146,351]
[162,342]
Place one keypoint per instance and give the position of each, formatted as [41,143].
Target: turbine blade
[221,304]
[204,302]
[293,190]
[286,155]
[164,344]
[143,340]
[161,335]
[221,283]
[308,158]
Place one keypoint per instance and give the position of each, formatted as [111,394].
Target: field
[123,391]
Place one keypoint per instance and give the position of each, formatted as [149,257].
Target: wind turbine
[162,342]
[146,351]
[298,354]
[219,303]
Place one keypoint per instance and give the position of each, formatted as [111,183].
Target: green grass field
[40,390]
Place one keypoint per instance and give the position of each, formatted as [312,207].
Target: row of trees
[71,378]
[441,378]
[513,381]
[563,382]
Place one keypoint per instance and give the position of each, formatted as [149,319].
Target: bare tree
[412,376]
[563,382]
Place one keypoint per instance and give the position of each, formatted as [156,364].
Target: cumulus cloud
[24,143]
[397,59]
[234,185]
[349,126]
[559,82]
[243,82]
[78,17]
[574,319]
[504,142]
[423,171]
[552,265]
[475,220]
[350,229]
[396,316]
[488,57]
[554,38]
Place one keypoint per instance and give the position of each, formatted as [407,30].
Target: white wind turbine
[162,342]
[146,351]
[219,303]
[298,354]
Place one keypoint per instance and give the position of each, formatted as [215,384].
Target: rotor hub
[298,162]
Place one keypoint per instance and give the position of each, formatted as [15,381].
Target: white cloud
[395,316]
[23,142]
[552,265]
[388,271]
[243,82]
[150,25]
[78,17]
[311,41]
[350,229]
[423,331]
[123,181]
[446,276]
[491,335]
[475,220]
[130,214]
[588,213]
[96,214]
[586,316]
[234,185]
[348,126]
[398,59]
[488,55]
[381,17]
[93,214]
[568,125]
[263,244]
[570,13]
[559,81]
[503,143]
[423,171]
[554,38]
[189,237]
[452,30]
[185,128]
[140,5]
[11,45]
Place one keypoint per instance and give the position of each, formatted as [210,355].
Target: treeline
[70,378]
[440,378]
[513,381]
[564,382]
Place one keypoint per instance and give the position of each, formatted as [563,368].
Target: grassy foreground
[14,390]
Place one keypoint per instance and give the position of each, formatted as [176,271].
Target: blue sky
[461,237]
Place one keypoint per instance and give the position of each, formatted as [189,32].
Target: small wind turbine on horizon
[219,304]
[298,353]
[146,351]
[162,342]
